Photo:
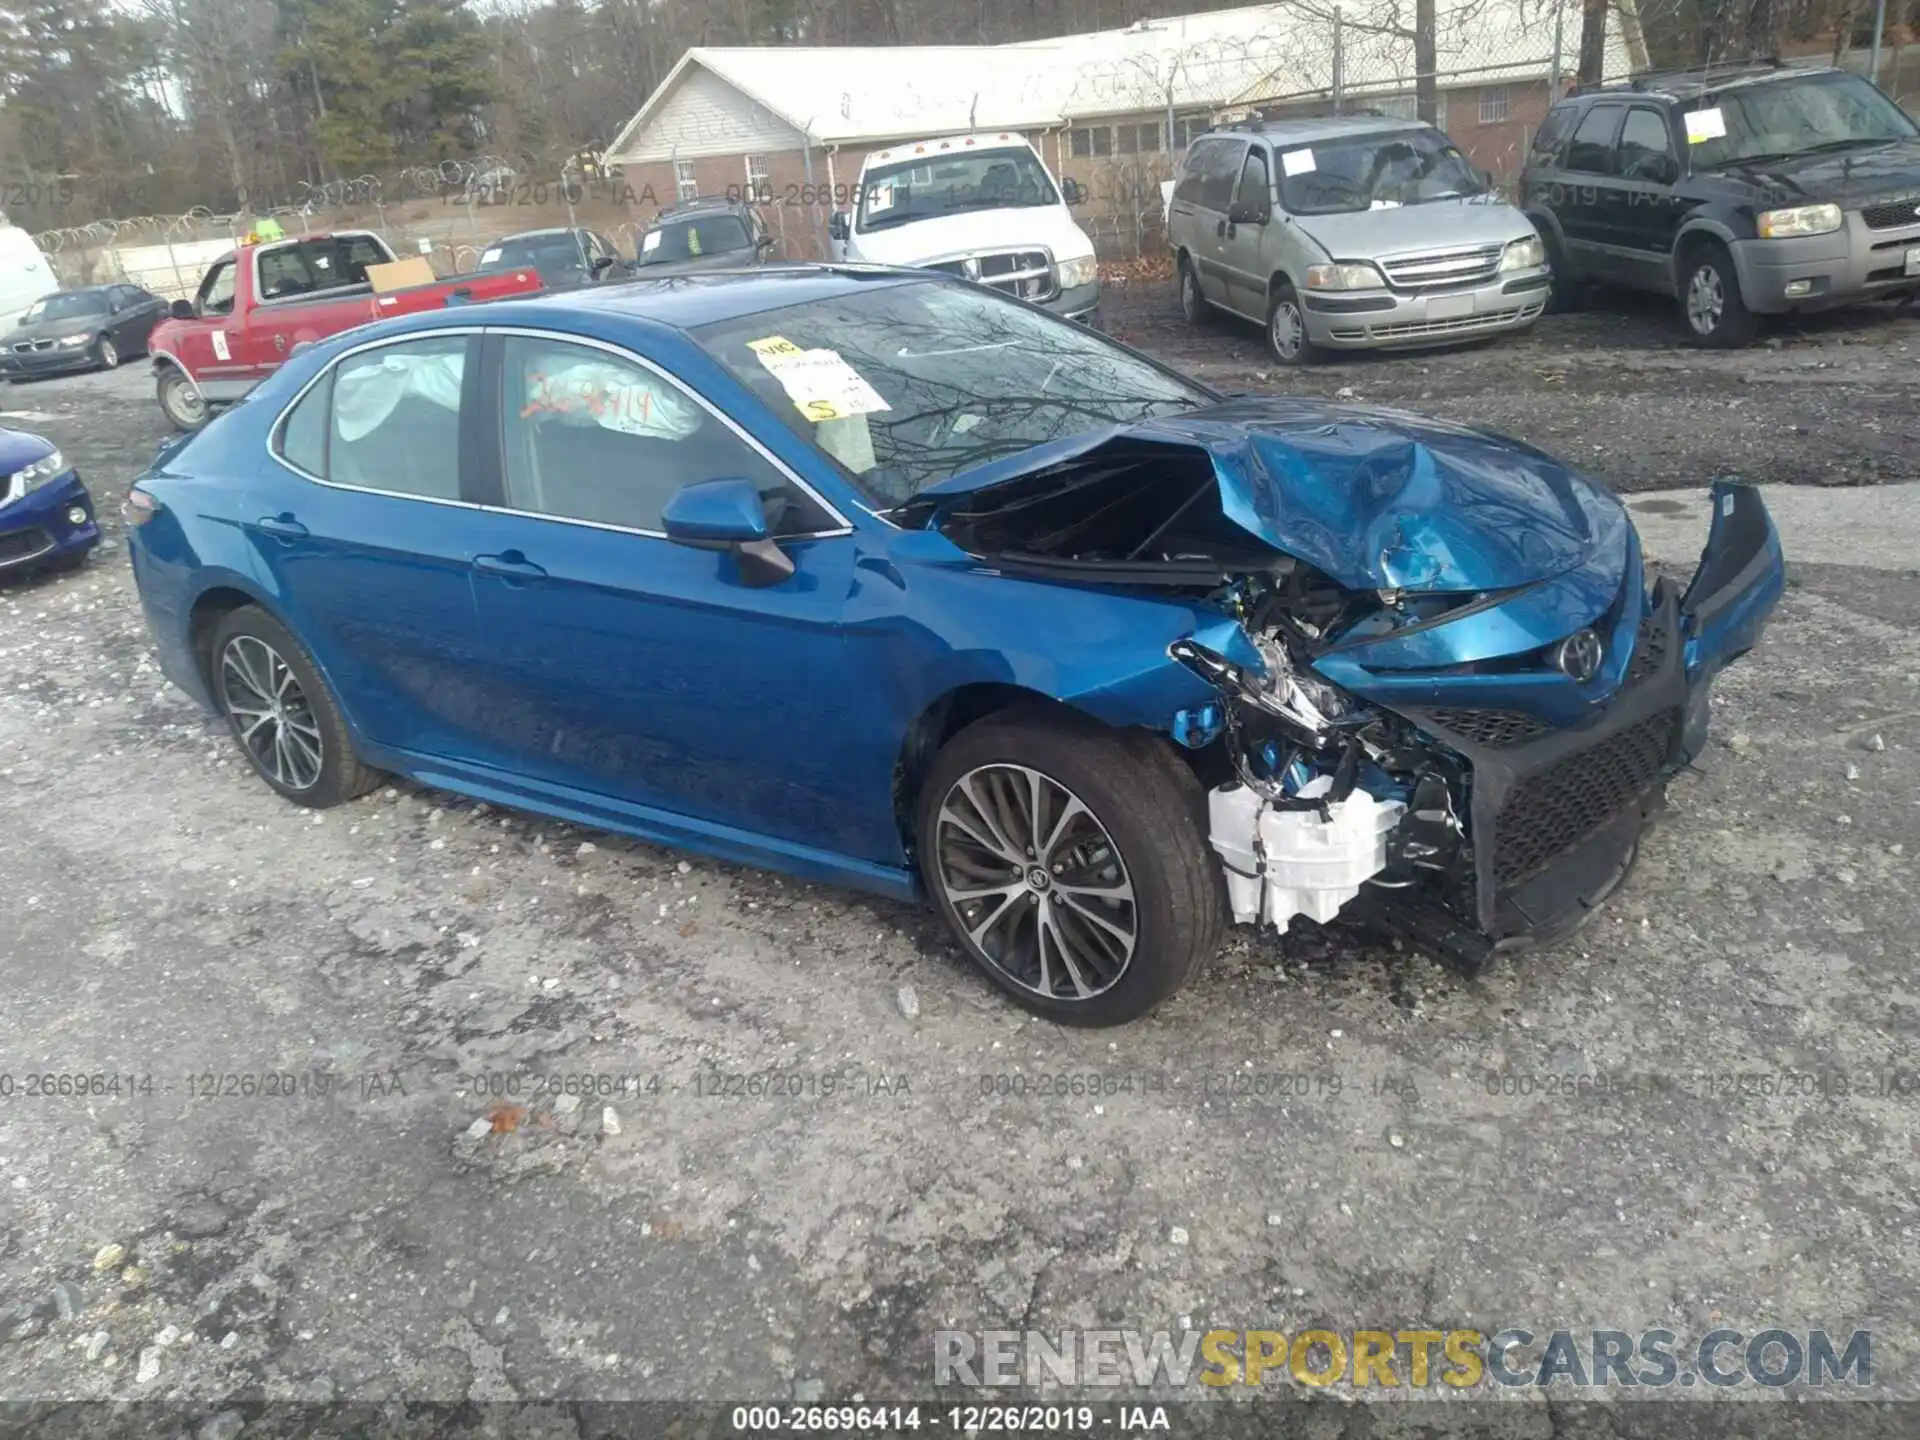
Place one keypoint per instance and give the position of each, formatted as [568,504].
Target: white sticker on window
[487,257]
[1296,162]
[220,346]
[821,384]
[881,198]
[650,242]
[1704,125]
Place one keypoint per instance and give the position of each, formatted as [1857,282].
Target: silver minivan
[1350,232]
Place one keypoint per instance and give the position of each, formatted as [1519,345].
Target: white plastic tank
[1312,866]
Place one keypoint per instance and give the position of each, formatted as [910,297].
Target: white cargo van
[983,207]
[24,274]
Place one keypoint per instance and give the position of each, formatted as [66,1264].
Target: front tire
[1071,863]
[281,713]
[1710,301]
[182,404]
[106,354]
[1287,328]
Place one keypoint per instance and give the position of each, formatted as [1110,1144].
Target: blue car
[46,514]
[887,580]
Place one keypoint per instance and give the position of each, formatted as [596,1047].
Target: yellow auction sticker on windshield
[821,384]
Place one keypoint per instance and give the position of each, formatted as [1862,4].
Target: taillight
[138,508]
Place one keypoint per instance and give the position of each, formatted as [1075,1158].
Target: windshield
[945,184]
[906,385]
[1792,117]
[1374,172]
[690,239]
[544,253]
[65,306]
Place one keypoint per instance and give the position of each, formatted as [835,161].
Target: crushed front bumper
[1553,817]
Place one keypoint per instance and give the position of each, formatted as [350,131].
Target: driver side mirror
[840,225]
[1249,213]
[765,244]
[1072,191]
[602,264]
[1663,169]
[727,515]
[181,310]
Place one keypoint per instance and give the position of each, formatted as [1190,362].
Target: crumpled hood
[1373,498]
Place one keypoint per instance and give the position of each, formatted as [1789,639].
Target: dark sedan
[93,328]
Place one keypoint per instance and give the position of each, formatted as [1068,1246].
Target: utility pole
[1879,30]
[1559,28]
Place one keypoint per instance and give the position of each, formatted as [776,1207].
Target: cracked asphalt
[422,1100]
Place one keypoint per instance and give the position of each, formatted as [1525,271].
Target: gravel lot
[392,1234]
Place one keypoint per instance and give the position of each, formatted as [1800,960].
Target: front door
[627,666]
[1643,213]
[1243,251]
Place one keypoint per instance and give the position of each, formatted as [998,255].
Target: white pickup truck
[983,207]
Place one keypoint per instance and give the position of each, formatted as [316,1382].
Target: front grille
[1462,325]
[1550,813]
[1893,214]
[1024,274]
[27,346]
[1494,728]
[24,544]
[1442,269]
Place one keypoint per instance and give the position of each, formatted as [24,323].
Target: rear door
[369,555]
[1585,205]
[1199,208]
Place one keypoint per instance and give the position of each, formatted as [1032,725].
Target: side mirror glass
[764,244]
[602,264]
[1073,192]
[1247,213]
[181,310]
[727,515]
[840,225]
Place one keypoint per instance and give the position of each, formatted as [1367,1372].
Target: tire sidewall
[1154,971]
[1285,295]
[341,777]
[172,383]
[107,353]
[1193,305]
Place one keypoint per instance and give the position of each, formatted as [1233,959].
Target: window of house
[685,187]
[759,186]
[589,436]
[1189,128]
[1401,107]
[1090,141]
[1137,139]
[1496,103]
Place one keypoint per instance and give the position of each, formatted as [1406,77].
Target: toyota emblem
[1579,656]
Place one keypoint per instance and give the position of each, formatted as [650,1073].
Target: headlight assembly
[1346,276]
[1083,270]
[32,477]
[72,342]
[1525,254]
[1799,220]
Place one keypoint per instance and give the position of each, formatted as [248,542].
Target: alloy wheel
[1706,300]
[271,715]
[1036,882]
[109,356]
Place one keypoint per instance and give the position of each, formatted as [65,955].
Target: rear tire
[1194,305]
[1711,305]
[281,713]
[180,401]
[1098,895]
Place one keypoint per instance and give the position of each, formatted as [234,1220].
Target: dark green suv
[1741,192]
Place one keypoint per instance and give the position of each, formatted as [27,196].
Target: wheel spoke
[1068,812]
[1072,902]
[1050,930]
[978,932]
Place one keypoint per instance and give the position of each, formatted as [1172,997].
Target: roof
[687,301]
[1290,126]
[1713,80]
[1202,62]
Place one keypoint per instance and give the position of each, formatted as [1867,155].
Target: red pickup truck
[256,306]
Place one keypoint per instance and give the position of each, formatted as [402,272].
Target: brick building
[1113,109]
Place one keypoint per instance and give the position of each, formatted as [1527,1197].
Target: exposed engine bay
[1513,697]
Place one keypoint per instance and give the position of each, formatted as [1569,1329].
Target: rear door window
[1591,150]
[386,419]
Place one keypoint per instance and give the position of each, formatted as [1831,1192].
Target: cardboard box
[401,274]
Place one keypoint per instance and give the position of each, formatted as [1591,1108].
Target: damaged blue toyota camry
[890,581]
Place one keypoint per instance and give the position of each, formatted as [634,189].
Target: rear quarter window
[1552,134]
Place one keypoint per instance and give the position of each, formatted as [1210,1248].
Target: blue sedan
[887,580]
[46,514]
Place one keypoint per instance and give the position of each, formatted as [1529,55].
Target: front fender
[1740,579]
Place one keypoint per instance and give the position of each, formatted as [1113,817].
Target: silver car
[1350,233]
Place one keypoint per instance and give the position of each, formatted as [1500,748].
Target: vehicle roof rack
[1645,80]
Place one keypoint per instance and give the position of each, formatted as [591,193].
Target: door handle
[285,526]
[510,565]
